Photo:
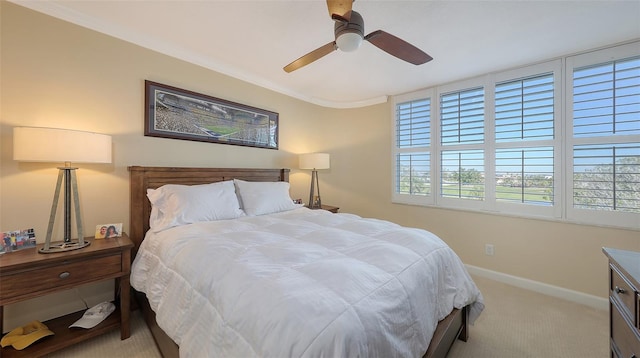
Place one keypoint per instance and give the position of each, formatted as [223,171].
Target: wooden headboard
[143,178]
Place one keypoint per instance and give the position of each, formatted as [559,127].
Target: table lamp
[33,144]
[314,161]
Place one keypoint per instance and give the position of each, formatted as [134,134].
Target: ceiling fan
[349,33]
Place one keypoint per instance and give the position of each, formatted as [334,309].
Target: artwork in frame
[175,113]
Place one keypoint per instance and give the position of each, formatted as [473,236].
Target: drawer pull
[64,275]
[620,291]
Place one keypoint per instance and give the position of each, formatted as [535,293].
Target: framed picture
[106,231]
[17,240]
[180,114]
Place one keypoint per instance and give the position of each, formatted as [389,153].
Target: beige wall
[56,74]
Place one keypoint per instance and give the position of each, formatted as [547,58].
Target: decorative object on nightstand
[314,161]
[32,144]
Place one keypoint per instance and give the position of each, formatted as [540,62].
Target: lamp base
[64,246]
[314,200]
[316,204]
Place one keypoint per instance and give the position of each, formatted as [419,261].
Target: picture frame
[17,240]
[107,231]
[176,113]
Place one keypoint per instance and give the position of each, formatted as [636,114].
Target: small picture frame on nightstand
[106,231]
[17,240]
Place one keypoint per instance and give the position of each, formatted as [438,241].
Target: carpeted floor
[521,323]
[515,323]
[109,345]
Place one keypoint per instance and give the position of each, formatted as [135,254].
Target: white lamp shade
[314,161]
[349,41]
[32,144]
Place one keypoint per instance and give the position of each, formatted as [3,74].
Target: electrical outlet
[488,249]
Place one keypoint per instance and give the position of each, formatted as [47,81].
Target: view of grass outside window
[462,174]
[511,150]
[525,175]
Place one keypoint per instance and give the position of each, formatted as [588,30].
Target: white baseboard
[555,291]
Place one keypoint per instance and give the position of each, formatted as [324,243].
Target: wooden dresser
[624,302]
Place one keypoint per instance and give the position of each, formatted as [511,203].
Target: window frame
[562,143]
[555,210]
[586,216]
[396,197]
[448,202]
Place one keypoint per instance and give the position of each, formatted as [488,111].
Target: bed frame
[455,325]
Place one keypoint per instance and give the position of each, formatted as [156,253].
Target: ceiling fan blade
[340,9]
[398,47]
[311,56]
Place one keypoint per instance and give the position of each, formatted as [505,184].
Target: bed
[283,320]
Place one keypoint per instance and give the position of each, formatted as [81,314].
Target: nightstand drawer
[623,291]
[43,279]
[626,338]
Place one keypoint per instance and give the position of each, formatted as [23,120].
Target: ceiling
[254,40]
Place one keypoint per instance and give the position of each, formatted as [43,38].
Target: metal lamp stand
[70,183]
[313,204]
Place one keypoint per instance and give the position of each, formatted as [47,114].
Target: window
[462,174]
[412,150]
[604,145]
[525,115]
[505,143]
[462,126]
[525,175]
[524,109]
[606,99]
[607,177]
[462,117]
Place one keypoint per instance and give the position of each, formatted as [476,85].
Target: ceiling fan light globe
[349,41]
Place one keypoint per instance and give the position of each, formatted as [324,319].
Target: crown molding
[64,13]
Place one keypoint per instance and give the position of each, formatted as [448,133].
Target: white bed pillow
[174,205]
[260,198]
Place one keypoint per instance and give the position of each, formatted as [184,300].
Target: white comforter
[304,283]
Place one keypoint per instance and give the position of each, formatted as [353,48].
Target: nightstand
[333,209]
[28,274]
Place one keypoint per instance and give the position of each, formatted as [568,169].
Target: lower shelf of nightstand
[64,336]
